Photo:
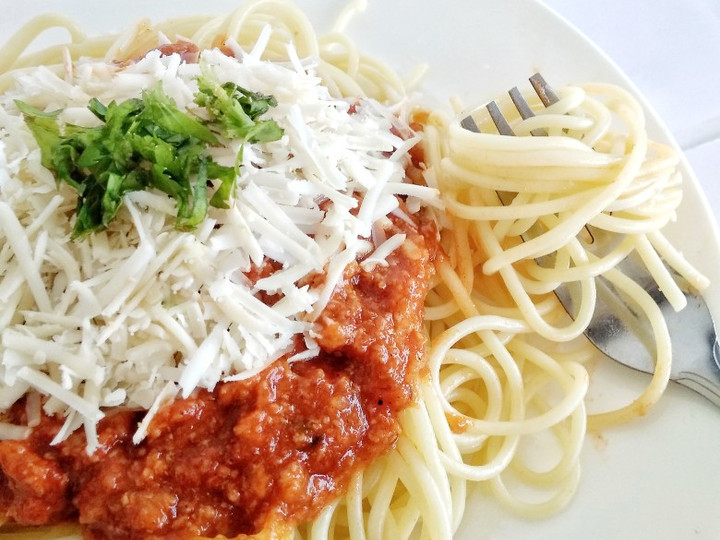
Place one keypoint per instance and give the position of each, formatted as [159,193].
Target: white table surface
[671,51]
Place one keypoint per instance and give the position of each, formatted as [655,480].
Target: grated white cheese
[379,256]
[165,395]
[140,312]
[13,432]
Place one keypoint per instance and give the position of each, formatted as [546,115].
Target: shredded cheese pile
[140,313]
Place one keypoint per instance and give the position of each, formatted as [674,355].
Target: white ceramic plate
[658,478]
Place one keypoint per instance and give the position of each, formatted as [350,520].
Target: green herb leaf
[236,110]
[161,112]
[44,128]
[226,190]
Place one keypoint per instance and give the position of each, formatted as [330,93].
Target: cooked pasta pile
[506,363]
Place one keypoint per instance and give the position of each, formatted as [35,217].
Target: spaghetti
[505,363]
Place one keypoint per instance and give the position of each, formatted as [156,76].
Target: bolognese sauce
[276,447]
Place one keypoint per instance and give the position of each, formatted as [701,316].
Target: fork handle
[701,385]
[707,386]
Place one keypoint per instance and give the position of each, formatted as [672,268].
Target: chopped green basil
[150,143]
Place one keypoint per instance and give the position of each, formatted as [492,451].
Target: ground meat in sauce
[276,447]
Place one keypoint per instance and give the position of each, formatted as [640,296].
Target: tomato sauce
[274,448]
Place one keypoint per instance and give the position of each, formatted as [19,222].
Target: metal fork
[616,329]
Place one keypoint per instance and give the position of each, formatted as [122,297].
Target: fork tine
[544,91]
[525,111]
[520,104]
[469,123]
[499,120]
